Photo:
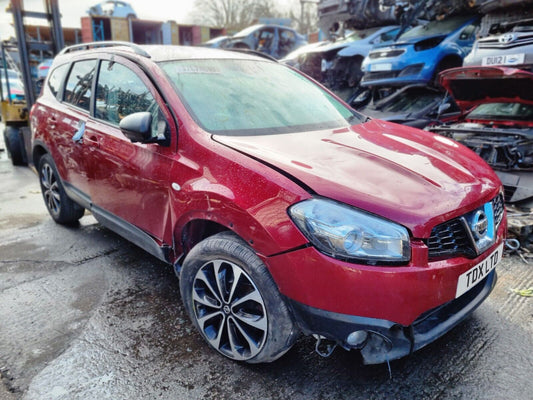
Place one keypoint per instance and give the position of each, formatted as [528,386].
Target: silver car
[355,14]
[514,48]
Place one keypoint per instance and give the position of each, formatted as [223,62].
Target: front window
[435,28]
[247,97]
[121,92]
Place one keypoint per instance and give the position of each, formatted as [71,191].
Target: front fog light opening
[357,339]
[411,70]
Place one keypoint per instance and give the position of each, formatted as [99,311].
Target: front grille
[386,53]
[494,43]
[373,76]
[452,238]
[509,191]
[498,207]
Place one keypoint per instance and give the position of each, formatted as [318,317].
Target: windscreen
[250,97]
[357,35]
[503,111]
[411,102]
[432,28]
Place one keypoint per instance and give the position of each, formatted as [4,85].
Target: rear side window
[79,83]
[56,78]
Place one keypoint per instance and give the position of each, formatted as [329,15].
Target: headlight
[430,43]
[346,233]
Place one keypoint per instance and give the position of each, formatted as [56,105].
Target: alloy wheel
[229,310]
[50,186]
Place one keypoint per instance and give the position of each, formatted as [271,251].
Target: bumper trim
[388,340]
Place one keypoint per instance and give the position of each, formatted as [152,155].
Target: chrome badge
[479,224]
[507,38]
[481,227]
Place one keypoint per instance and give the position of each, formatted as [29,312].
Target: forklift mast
[17,134]
[53,17]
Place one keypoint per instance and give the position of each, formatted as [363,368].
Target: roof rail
[85,46]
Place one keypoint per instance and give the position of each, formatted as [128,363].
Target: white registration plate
[509,59]
[381,67]
[474,275]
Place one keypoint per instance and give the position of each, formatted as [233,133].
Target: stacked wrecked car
[458,68]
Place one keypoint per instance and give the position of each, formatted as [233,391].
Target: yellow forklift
[14,107]
[13,110]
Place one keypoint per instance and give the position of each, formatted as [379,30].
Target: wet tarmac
[84,314]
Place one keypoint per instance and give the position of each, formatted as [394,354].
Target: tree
[233,15]
[304,12]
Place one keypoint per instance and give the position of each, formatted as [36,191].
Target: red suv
[282,209]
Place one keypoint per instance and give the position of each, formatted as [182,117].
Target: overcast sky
[73,10]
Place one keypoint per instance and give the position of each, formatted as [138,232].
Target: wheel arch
[449,59]
[446,62]
[256,231]
[196,230]
[39,150]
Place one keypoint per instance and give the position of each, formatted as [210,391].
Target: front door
[131,180]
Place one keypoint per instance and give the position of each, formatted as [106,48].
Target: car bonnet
[415,178]
[471,86]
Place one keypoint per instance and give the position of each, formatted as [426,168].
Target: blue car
[274,40]
[419,54]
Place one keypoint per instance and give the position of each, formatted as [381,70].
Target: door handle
[78,136]
[92,141]
[51,122]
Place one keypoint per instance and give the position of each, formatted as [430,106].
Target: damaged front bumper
[382,341]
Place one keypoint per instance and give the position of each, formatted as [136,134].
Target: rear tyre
[61,208]
[234,302]
[14,145]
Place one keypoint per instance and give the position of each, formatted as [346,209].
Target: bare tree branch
[234,15]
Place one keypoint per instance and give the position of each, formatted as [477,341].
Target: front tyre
[234,302]
[61,208]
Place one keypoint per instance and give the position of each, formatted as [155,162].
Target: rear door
[131,180]
[68,121]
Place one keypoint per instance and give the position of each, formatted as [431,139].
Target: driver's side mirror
[137,127]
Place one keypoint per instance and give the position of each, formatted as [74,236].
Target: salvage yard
[85,314]
[216,225]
